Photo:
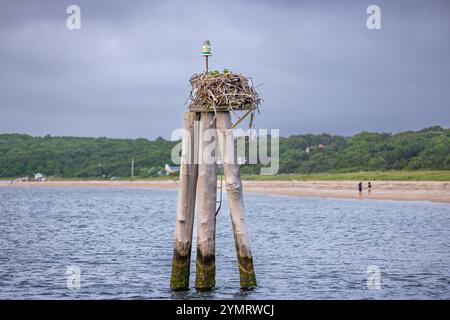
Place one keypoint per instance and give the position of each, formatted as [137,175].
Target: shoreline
[434,191]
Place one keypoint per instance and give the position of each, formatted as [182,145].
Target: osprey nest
[227,89]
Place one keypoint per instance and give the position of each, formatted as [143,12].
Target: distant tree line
[72,157]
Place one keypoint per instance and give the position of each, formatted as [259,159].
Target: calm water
[304,248]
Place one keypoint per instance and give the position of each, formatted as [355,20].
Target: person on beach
[360,187]
[369,187]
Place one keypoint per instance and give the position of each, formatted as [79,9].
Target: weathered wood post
[179,279]
[235,199]
[213,96]
[207,195]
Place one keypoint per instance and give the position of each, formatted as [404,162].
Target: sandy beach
[387,190]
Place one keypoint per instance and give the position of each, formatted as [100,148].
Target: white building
[40,177]
[171,170]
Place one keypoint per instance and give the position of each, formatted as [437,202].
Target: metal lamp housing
[206,48]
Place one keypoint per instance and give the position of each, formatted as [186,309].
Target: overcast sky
[125,73]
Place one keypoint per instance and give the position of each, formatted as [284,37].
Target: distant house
[39,177]
[171,169]
[321,146]
[241,160]
[307,150]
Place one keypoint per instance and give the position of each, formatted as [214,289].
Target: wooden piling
[207,195]
[235,199]
[179,279]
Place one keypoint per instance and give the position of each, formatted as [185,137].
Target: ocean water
[304,248]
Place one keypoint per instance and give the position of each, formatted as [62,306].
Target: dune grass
[400,175]
[393,175]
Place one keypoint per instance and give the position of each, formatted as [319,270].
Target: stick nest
[228,89]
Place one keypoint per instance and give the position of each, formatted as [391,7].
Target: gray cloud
[125,73]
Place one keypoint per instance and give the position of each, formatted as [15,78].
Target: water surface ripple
[304,248]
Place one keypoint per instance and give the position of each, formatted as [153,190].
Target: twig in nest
[230,89]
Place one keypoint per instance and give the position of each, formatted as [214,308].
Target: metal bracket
[219,202]
[240,119]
